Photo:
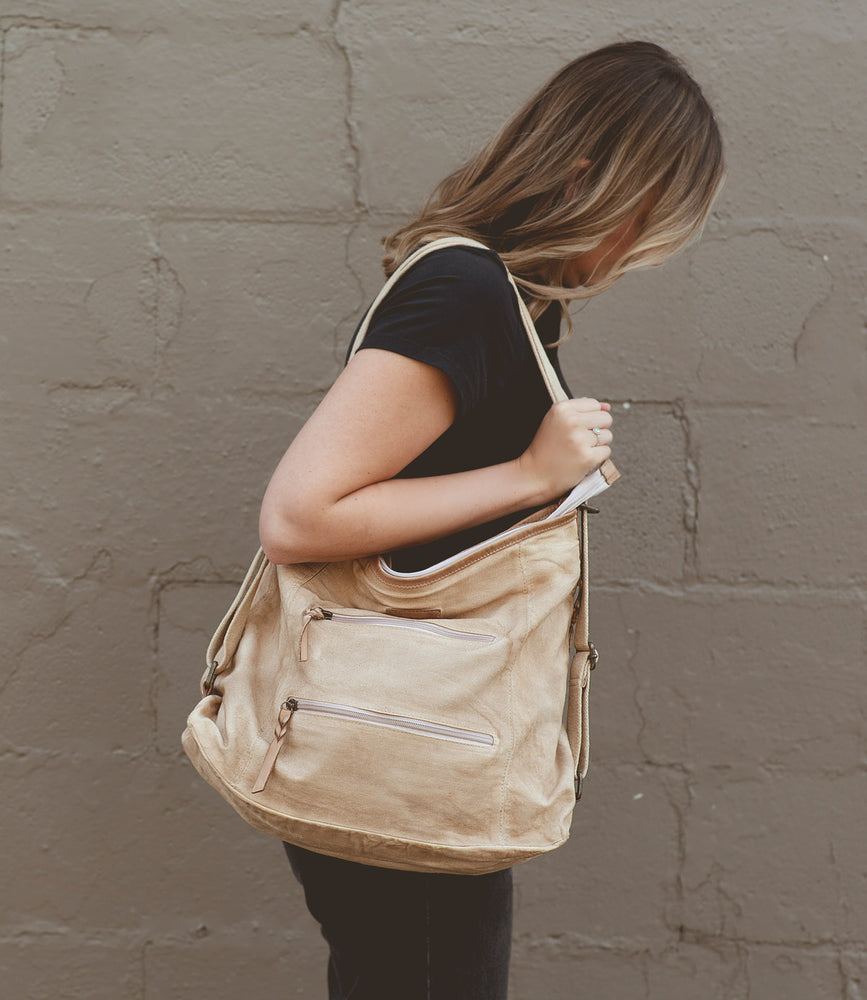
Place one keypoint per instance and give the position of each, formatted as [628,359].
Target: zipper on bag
[284,717]
[403,723]
[385,621]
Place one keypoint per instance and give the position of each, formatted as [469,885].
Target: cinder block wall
[191,198]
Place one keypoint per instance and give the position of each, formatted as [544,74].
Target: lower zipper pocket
[422,727]
[404,722]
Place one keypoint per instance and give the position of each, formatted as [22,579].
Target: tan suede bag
[429,721]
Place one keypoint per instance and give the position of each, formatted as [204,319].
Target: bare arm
[333,495]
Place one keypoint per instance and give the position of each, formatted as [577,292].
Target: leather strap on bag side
[583,660]
[225,640]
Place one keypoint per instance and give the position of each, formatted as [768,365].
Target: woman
[439,431]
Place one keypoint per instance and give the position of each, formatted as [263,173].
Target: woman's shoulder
[455,309]
[473,271]
[458,288]
[476,261]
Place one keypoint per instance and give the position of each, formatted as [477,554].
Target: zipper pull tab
[208,683]
[311,614]
[287,709]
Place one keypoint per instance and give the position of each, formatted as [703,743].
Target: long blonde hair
[631,110]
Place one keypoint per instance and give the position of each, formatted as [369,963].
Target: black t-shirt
[456,310]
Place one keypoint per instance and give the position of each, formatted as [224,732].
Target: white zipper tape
[411,623]
[402,722]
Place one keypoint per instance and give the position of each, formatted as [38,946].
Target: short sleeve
[456,310]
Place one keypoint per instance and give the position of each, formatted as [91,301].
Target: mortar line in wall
[637,946]
[2,87]
[745,405]
[846,594]
[170,213]
[35,23]
[830,946]
[310,217]
[147,943]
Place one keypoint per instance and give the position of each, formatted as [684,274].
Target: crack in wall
[99,567]
[165,304]
[853,978]
[184,573]
[845,993]
[339,348]
[361,211]
[633,644]
[787,341]
[839,881]
[814,309]
[690,492]
[348,120]
[188,572]
[168,311]
[680,812]
[143,968]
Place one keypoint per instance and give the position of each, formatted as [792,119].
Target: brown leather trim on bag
[609,471]
[583,660]
[415,612]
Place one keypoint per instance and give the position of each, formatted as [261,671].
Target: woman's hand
[565,447]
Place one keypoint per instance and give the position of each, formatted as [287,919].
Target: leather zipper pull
[287,710]
[310,615]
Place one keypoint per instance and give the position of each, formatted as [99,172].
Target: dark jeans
[409,935]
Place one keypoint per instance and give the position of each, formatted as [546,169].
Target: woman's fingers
[603,437]
[579,413]
[587,403]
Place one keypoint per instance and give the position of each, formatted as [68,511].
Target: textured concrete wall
[191,195]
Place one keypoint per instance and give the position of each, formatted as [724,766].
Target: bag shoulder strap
[546,369]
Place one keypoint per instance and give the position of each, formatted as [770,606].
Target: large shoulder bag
[429,721]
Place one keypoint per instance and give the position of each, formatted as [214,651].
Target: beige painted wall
[191,195]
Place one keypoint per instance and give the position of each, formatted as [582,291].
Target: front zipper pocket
[384,621]
[403,723]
